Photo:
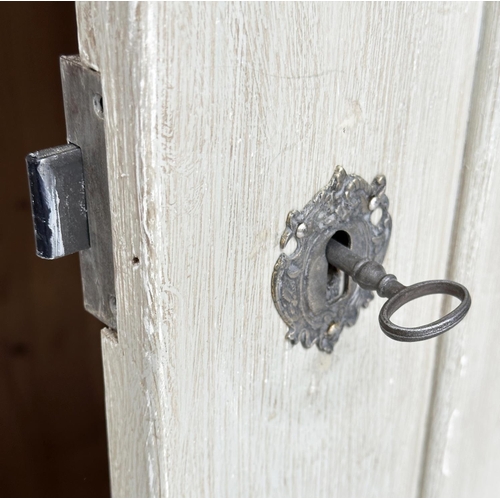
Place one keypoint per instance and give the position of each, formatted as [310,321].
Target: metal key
[371,275]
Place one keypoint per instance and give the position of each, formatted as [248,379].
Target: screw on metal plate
[342,236]
[69,191]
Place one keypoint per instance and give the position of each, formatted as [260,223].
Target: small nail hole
[135,261]
[98,105]
[112,303]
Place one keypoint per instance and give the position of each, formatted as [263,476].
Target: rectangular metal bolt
[58,201]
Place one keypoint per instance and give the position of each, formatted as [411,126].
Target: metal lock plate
[315,299]
[83,108]
[69,191]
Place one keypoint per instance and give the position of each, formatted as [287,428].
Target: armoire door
[220,118]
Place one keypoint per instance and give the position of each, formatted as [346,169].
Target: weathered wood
[463,449]
[220,119]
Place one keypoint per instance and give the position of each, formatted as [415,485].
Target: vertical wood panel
[463,451]
[220,119]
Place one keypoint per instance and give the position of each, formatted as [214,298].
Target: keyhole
[338,282]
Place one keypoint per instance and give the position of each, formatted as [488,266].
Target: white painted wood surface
[220,119]
[463,449]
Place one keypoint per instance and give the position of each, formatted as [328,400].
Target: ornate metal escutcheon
[342,236]
[315,299]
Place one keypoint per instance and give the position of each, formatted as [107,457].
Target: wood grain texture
[463,451]
[220,119]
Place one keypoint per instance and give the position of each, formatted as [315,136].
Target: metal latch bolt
[69,191]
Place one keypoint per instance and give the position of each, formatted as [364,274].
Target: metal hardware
[58,201]
[320,287]
[371,275]
[60,193]
[316,301]
[83,108]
